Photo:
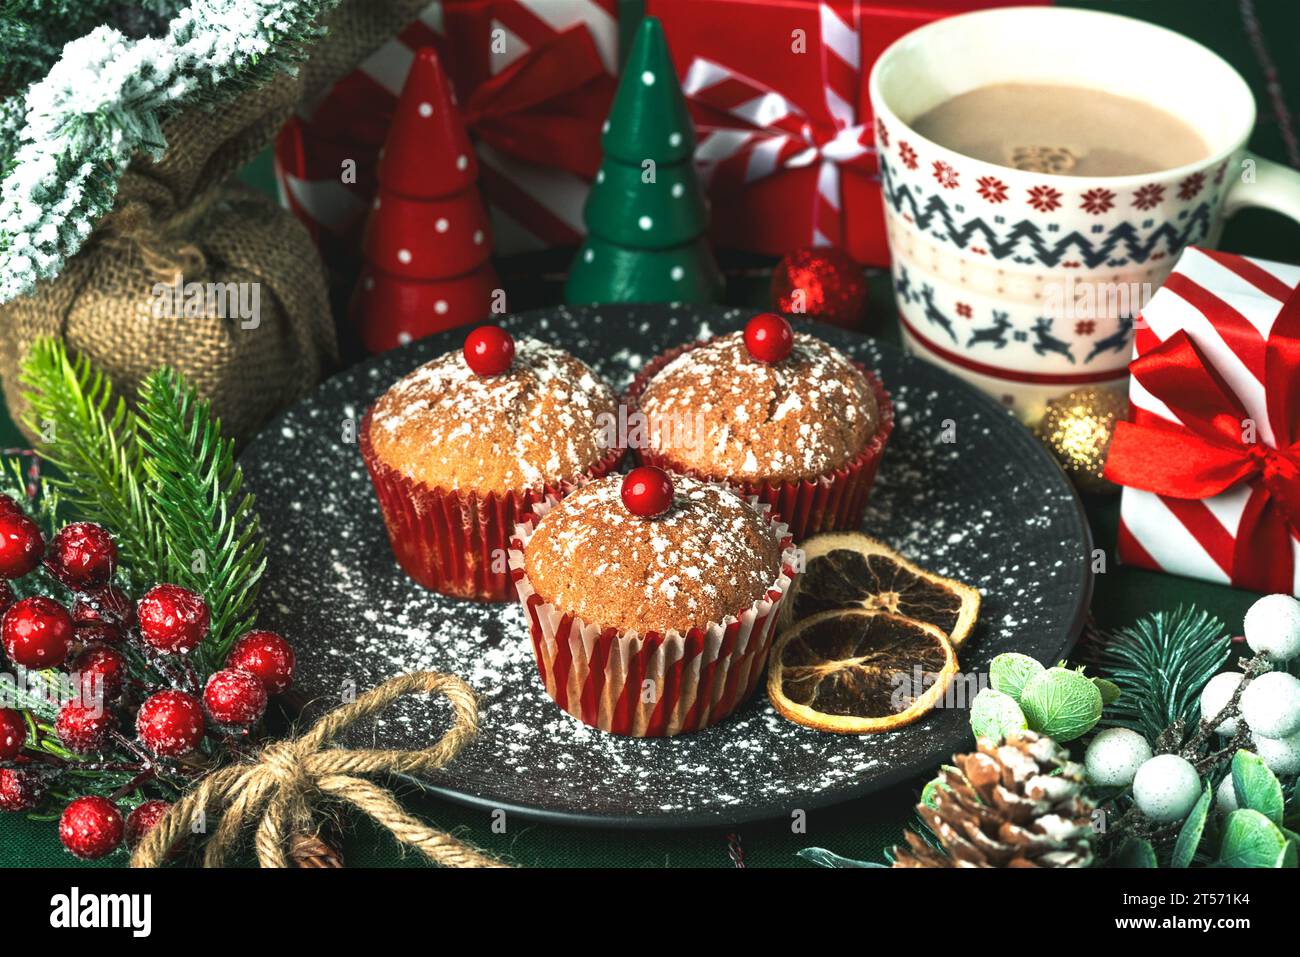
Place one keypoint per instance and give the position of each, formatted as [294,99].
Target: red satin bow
[510,111]
[1215,448]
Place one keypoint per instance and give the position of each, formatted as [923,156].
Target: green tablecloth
[863,828]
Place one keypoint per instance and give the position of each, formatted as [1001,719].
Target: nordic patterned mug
[1027,284]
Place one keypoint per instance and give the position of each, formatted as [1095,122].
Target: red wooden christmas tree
[426,244]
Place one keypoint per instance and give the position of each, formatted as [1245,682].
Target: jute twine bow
[278,786]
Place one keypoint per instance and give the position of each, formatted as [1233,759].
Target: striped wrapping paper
[532,206]
[1228,311]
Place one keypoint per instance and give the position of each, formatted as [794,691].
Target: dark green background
[865,827]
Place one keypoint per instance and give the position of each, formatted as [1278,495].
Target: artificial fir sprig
[88,434]
[103,102]
[162,478]
[1160,665]
[214,542]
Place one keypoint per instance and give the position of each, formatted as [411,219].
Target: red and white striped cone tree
[427,243]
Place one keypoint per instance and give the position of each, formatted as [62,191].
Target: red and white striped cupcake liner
[651,685]
[834,501]
[456,542]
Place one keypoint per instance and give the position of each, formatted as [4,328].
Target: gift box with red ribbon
[534,79]
[778,90]
[1211,459]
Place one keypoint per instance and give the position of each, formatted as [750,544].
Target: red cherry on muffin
[647,491]
[768,337]
[489,350]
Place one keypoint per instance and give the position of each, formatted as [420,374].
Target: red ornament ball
[170,723]
[647,491]
[83,727]
[823,283]
[768,337]
[234,697]
[21,544]
[37,632]
[489,350]
[13,734]
[20,790]
[142,819]
[82,555]
[7,504]
[266,656]
[172,619]
[100,672]
[91,827]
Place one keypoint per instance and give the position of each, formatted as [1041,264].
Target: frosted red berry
[109,605]
[647,491]
[13,734]
[20,790]
[234,697]
[21,544]
[142,819]
[172,619]
[37,632]
[100,671]
[7,504]
[82,555]
[170,723]
[7,596]
[489,350]
[265,655]
[91,827]
[768,337]
[83,726]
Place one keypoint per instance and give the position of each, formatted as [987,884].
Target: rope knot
[275,787]
[283,760]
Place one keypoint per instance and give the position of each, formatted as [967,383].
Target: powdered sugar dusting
[988,509]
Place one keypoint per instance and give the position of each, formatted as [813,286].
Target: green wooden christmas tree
[646,215]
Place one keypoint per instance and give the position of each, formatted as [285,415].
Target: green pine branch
[162,480]
[213,536]
[90,437]
[1160,664]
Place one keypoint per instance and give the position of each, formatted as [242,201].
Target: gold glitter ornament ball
[1077,429]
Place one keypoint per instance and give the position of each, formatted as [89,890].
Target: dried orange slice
[851,570]
[858,671]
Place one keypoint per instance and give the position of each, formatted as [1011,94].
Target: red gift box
[534,79]
[778,89]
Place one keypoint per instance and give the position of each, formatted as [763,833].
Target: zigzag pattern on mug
[1048,253]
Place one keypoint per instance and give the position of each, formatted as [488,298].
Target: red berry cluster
[94,641]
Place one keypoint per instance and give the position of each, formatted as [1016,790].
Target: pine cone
[1015,804]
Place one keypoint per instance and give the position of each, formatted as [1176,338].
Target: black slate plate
[988,507]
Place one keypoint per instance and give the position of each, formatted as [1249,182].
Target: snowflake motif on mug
[1085,327]
[1044,199]
[907,154]
[1190,187]
[992,189]
[1148,196]
[945,175]
[882,133]
[1218,173]
[1097,201]
[964,310]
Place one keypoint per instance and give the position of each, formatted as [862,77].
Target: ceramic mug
[1026,283]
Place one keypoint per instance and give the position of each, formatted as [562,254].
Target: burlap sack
[181,220]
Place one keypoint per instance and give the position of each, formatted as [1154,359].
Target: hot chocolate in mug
[1027,283]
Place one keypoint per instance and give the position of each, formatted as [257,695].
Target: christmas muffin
[652,600]
[785,418]
[462,447]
